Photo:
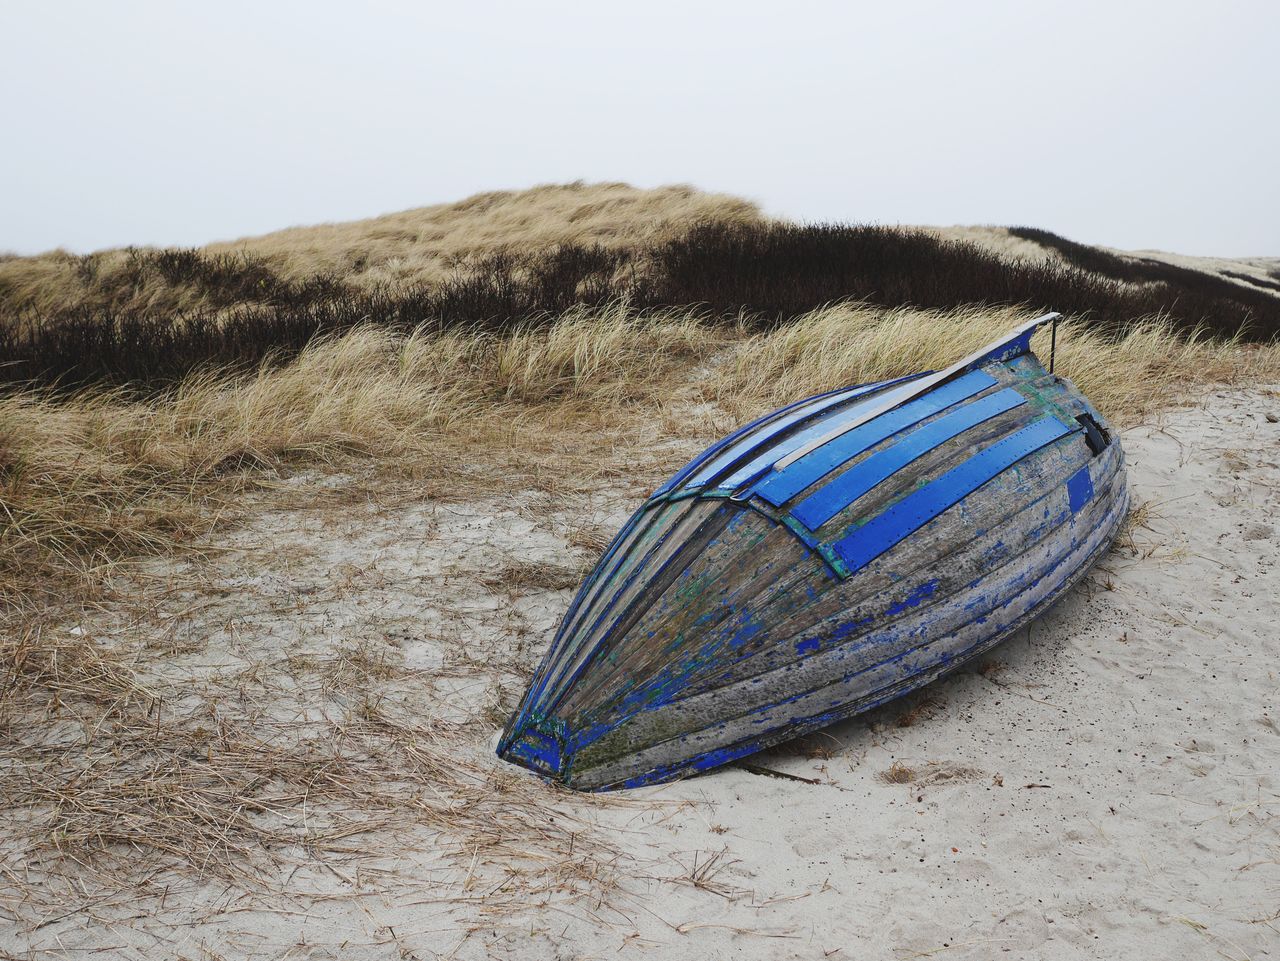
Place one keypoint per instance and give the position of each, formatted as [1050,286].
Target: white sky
[1132,124]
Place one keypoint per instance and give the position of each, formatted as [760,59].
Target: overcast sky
[1132,124]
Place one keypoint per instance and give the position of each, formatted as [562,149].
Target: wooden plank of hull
[682,528]
[625,547]
[654,530]
[698,599]
[729,459]
[938,462]
[855,446]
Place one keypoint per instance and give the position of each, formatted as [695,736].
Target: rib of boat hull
[823,560]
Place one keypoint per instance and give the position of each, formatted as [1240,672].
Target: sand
[1106,784]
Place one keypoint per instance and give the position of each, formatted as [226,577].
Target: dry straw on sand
[205,776]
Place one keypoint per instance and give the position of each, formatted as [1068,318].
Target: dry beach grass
[1152,365]
[146,317]
[99,477]
[403,249]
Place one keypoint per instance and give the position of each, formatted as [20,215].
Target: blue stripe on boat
[676,479]
[828,501]
[753,441]
[780,487]
[864,544]
[758,465]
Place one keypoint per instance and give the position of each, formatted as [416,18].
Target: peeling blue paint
[871,540]
[751,442]
[781,486]
[913,599]
[806,645]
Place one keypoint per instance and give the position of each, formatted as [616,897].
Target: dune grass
[420,246]
[100,476]
[94,478]
[188,774]
[501,262]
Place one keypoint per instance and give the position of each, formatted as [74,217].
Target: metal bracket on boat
[1095,435]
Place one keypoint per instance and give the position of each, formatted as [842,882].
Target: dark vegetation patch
[181,278]
[1195,295]
[1256,281]
[765,273]
[232,278]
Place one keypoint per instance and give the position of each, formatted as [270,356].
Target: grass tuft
[898,773]
[1125,377]
[92,478]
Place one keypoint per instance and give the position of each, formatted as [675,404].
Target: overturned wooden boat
[820,561]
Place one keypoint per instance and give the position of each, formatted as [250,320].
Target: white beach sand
[1105,784]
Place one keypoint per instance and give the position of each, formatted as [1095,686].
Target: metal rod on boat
[1053,340]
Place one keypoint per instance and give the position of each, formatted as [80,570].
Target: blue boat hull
[825,559]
